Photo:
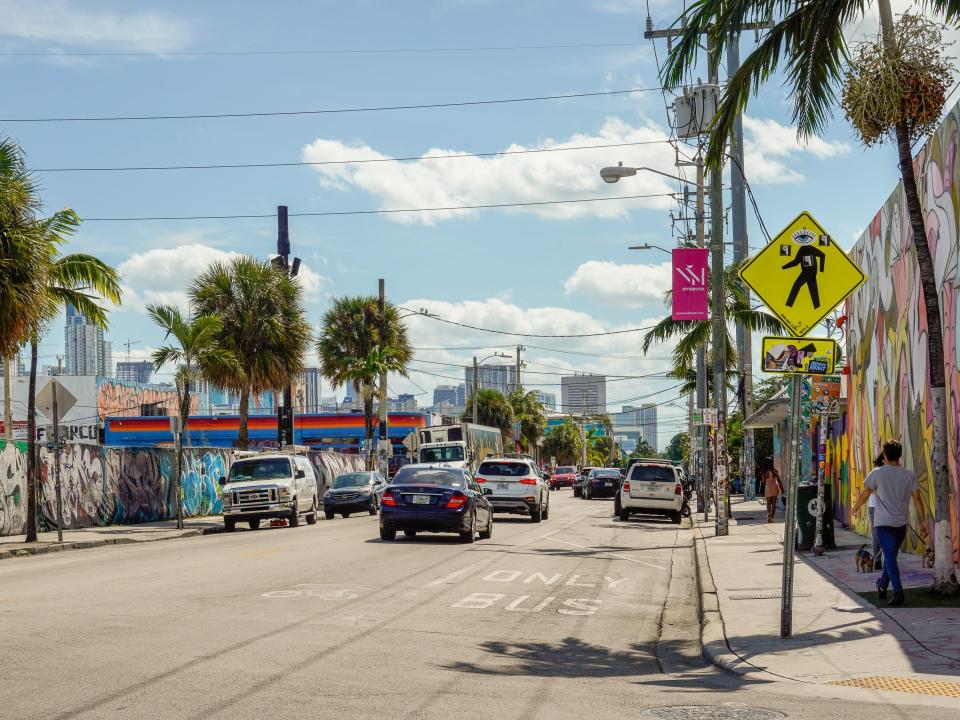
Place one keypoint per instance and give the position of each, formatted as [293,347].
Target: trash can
[807,518]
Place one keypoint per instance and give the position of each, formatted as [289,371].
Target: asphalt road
[552,620]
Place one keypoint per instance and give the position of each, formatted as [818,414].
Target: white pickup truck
[269,486]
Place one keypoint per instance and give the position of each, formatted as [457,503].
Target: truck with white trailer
[462,445]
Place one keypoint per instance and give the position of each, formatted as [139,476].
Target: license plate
[503,486]
[421,499]
[652,488]
[608,484]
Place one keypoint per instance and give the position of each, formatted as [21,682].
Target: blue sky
[550,270]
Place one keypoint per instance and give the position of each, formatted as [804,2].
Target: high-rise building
[636,424]
[583,394]
[138,371]
[502,378]
[548,400]
[461,395]
[17,367]
[85,349]
[647,415]
[444,393]
[404,402]
[308,391]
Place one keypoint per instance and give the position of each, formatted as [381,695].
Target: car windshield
[606,474]
[265,469]
[503,469]
[428,476]
[352,480]
[453,453]
[566,470]
[652,473]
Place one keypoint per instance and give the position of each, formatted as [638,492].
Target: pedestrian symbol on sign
[808,258]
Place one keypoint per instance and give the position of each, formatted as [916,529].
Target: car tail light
[480,480]
[678,490]
[457,501]
[528,481]
[626,486]
[388,499]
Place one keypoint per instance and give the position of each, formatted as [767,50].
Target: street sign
[802,275]
[705,416]
[825,393]
[689,296]
[65,399]
[799,356]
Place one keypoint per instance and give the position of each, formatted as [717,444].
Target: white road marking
[447,579]
[615,557]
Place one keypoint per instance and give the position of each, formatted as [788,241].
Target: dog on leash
[864,559]
[928,558]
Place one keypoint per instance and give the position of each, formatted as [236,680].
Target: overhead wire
[521,334]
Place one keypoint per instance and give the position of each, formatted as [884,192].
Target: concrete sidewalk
[838,637]
[83,538]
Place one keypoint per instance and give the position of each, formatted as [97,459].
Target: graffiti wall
[119,399]
[328,465]
[13,487]
[887,329]
[838,468]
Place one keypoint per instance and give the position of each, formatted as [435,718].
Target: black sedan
[435,498]
[601,483]
[354,492]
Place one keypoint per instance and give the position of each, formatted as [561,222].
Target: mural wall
[887,329]
[13,487]
[119,399]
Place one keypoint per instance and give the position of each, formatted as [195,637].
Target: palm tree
[809,39]
[564,443]
[493,410]
[356,345]
[80,280]
[262,324]
[528,411]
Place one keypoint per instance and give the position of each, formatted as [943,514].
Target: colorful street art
[119,399]
[107,486]
[13,487]
[887,330]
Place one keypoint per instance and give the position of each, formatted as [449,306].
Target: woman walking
[772,488]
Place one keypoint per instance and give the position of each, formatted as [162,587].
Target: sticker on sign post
[799,356]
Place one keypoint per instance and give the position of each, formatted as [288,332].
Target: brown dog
[928,558]
[864,560]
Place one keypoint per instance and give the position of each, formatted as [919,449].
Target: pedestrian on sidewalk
[772,488]
[871,508]
[893,485]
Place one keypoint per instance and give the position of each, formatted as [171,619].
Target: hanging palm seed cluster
[882,90]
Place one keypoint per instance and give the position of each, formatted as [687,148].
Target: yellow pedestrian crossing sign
[802,275]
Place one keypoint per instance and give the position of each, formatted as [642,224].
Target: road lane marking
[447,579]
[615,557]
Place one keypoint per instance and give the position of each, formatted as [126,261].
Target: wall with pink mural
[887,330]
[120,399]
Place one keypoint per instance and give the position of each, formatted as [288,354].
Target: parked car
[564,476]
[581,479]
[269,486]
[516,487]
[601,483]
[435,498]
[650,488]
[354,492]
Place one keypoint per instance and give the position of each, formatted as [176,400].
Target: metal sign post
[821,472]
[56,461]
[790,522]
[176,427]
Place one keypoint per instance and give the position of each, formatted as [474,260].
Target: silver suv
[516,486]
[651,487]
[269,486]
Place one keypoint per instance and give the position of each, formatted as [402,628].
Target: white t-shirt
[893,485]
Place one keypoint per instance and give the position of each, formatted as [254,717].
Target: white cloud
[533,177]
[768,144]
[62,23]
[161,275]
[629,285]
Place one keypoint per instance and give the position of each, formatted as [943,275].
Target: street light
[648,246]
[614,173]
[476,373]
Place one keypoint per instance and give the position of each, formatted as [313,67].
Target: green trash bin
[807,520]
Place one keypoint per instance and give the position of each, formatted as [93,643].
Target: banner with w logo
[690,273]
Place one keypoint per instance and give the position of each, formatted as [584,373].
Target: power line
[452,156]
[520,334]
[568,373]
[333,213]
[343,51]
[325,111]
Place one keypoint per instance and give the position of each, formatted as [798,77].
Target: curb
[88,544]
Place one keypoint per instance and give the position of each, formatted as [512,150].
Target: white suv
[269,486]
[650,488]
[516,485]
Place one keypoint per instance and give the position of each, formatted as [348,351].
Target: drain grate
[711,712]
[764,595]
[905,685]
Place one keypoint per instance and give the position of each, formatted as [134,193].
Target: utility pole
[717,270]
[7,399]
[741,250]
[519,384]
[703,489]
[384,439]
[476,384]
[285,415]
[583,428]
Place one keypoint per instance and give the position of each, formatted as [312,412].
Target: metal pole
[821,471]
[283,250]
[7,399]
[701,452]
[740,252]
[56,461]
[384,439]
[790,522]
[476,372]
[179,445]
[719,337]
[583,428]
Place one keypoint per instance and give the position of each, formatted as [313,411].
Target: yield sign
[65,399]
[802,275]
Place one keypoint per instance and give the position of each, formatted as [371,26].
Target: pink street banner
[690,270]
